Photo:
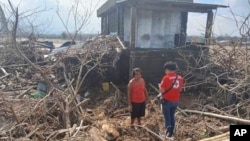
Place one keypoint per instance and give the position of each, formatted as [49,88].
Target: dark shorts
[138,110]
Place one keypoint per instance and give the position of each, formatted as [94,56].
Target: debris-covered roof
[100,44]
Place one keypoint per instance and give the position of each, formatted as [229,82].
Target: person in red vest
[170,88]
[137,96]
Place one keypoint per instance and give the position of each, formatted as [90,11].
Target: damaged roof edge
[105,7]
[112,3]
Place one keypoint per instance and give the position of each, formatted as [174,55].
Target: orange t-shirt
[167,81]
[138,91]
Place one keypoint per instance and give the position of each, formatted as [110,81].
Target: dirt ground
[191,127]
[106,118]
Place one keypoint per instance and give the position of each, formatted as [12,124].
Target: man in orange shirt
[170,87]
[137,96]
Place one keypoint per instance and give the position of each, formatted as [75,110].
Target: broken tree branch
[153,133]
[232,119]
[65,130]
[79,104]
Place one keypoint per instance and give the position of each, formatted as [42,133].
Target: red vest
[166,83]
[138,91]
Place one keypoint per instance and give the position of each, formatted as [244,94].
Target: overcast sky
[49,21]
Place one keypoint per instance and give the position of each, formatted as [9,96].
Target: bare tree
[65,100]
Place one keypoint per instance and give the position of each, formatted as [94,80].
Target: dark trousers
[168,109]
[138,110]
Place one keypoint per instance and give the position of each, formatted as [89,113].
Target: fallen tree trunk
[222,137]
[232,119]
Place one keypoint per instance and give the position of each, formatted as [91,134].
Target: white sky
[49,22]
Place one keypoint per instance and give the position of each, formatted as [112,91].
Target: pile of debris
[102,52]
[99,114]
[72,71]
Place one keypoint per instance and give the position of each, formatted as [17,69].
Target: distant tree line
[63,35]
[218,38]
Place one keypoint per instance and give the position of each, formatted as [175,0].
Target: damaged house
[153,31]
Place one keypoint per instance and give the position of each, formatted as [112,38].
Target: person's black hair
[170,65]
[136,70]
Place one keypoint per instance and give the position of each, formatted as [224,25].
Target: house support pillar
[133,14]
[208,34]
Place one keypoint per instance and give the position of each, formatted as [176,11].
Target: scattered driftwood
[231,119]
